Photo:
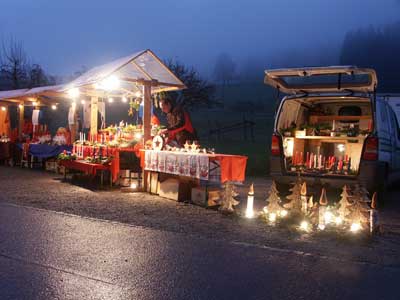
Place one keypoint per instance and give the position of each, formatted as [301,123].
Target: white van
[333,129]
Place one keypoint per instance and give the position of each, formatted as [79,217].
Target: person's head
[166,104]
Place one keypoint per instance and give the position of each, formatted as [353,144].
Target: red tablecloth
[233,167]
[87,168]
[109,151]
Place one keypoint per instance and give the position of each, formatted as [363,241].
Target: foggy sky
[63,35]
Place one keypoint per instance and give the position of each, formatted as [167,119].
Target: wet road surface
[49,255]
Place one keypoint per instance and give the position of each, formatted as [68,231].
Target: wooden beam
[93,115]
[20,119]
[146,111]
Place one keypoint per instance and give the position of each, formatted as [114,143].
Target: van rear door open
[322,79]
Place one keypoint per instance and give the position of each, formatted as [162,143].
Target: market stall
[31,133]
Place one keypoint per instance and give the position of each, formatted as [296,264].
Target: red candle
[308,159]
[346,158]
[301,158]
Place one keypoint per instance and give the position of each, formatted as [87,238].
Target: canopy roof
[131,71]
[23,95]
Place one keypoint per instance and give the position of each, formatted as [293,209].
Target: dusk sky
[65,35]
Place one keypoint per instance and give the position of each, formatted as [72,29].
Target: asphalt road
[50,255]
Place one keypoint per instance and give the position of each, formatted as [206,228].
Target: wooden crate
[206,197]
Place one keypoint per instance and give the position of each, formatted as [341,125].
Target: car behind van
[333,129]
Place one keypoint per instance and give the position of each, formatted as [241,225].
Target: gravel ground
[47,191]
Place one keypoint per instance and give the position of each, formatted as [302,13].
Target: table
[45,150]
[87,168]
[196,165]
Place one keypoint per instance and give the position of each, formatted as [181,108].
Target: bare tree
[199,92]
[14,65]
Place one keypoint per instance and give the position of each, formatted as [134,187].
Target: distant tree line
[377,48]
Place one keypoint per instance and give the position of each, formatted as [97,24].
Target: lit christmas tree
[359,214]
[295,196]
[344,203]
[227,200]
[274,206]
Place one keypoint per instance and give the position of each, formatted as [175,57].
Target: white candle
[250,202]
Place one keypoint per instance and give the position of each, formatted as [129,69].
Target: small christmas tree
[359,212]
[273,200]
[361,193]
[344,203]
[227,200]
[295,197]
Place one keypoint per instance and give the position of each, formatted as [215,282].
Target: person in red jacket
[180,128]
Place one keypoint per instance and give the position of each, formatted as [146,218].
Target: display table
[203,166]
[114,166]
[45,150]
[87,168]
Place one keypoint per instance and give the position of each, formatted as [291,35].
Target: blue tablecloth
[45,151]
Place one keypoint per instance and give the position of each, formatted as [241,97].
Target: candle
[315,161]
[250,202]
[340,165]
[320,162]
[301,158]
[346,158]
[303,196]
[307,159]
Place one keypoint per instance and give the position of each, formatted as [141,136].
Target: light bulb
[124,99]
[73,93]
[3,108]
[304,225]
[272,217]
[110,100]
[355,227]
[54,107]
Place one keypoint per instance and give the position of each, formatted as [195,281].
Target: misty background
[224,45]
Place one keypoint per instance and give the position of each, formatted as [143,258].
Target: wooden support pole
[146,124]
[21,119]
[93,115]
[146,111]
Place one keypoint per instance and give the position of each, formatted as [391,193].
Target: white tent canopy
[131,71]
[140,73]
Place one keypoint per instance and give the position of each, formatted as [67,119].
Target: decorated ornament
[158,143]
[323,202]
[359,214]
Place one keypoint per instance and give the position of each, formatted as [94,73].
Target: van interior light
[54,107]
[3,108]
[124,99]
[110,100]
[341,147]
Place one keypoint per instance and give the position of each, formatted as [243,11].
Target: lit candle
[303,196]
[250,202]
